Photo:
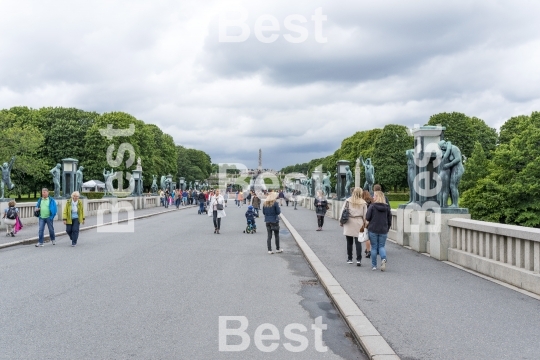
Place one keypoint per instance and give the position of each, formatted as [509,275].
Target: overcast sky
[369,64]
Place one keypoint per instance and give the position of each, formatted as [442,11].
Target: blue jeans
[184,199]
[378,242]
[201,206]
[41,230]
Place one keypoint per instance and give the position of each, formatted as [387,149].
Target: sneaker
[72,245]
[374,268]
[349,261]
[39,245]
[270,252]
[358,263]
[383,265]
[53,242]
[279,251]
[12,234]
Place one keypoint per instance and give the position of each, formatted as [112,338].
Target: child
[250,216]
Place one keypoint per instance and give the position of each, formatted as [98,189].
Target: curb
[47,237]
[363,330]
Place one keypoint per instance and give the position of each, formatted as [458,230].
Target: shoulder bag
[345,214]
[218,205]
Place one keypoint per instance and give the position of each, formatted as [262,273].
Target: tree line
[502,170]
[41,138]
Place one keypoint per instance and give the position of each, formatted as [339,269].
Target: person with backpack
[10,218]
[73,215]
[46,212]
[379,217]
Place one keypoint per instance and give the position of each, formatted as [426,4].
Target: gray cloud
[385,62]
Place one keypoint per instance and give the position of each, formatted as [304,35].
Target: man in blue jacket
[46,206]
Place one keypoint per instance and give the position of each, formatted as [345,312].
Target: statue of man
[154,186]
[6,176]
[348,180]
[79,179]
[450,170]
[55,172]
[109,176]
[369,172]
[411,173]
[327,188]
[162,182]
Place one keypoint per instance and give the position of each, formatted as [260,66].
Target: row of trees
[502,171]
[41,138]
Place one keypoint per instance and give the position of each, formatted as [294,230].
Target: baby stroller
[250,228]
[204,211]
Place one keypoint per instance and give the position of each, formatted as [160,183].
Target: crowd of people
[365,217]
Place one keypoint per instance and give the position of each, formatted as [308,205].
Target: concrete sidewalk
[424,308]
[30,231]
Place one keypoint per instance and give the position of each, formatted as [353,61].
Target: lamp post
[341,178]
[137,177]
[182,182]
[69,174]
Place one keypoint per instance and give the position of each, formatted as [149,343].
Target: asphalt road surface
[424,308]
[159,292]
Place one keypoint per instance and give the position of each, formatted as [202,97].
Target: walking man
[46,207]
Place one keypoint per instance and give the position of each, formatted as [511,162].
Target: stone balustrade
[505,252]
[91,207]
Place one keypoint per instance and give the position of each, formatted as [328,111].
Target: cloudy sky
[370,63]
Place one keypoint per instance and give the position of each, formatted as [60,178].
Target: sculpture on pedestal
[369,172]
[55,172]
[191,184]
[79,179]
[154,186]
[348,181]
[327,188]
[109,177]
[6,176]
[162,182]
[450,171]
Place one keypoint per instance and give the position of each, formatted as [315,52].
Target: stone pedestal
[439,242]
[418,237]
[403,221]
[60,205]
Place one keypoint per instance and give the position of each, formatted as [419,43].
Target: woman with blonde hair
[357,209]
[73,215]
[368,199]
[271,211]
[379,217]
[217,204]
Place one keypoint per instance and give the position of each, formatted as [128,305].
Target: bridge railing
[505,252]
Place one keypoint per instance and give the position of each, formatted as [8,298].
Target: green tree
[389,157]
[476,168]
[464,131]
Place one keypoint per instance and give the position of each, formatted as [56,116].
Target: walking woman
[240,198]
[368,199]
[10,218]
[379,217]
[321,206]
[73,215]
[271,211]
[217,204]
[357,216]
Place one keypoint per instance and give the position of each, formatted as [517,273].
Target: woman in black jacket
[379,216]
[320,205]
[271,211]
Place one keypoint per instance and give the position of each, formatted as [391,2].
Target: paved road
[424,308]
[158,294]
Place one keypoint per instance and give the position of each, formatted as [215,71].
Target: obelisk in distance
[260,161]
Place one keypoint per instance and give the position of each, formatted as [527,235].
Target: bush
[397,196]
[93,195]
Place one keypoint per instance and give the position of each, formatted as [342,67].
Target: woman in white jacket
[216,214]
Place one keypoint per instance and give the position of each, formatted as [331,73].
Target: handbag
[274,226]
[37,213]
[363,236]
[218,205]
[345,214]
